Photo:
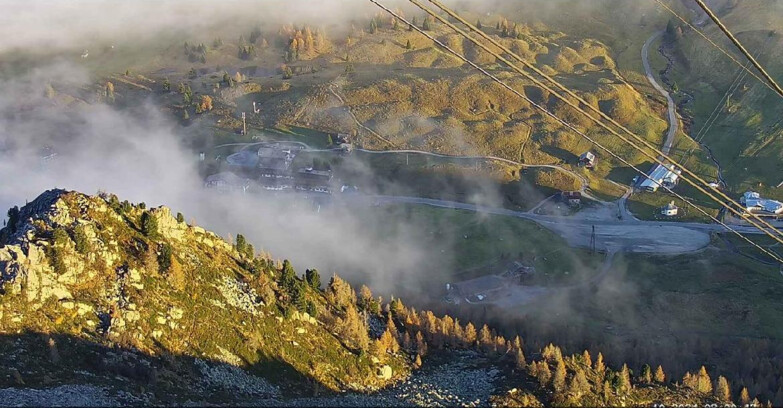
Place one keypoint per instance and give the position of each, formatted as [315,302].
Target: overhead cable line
[714,44]
[714,116]
[776,234]
[739,45]
[567,125]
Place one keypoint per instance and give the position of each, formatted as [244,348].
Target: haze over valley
[523,203]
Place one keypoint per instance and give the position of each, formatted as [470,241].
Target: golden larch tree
[559,379]
[722,390]
[744,398]
[659,377]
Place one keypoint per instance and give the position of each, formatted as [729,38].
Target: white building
[670,210]
[587,159]
[227,182]
[660,176]
[753,202]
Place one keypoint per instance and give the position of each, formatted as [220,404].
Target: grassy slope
[480,117]
[623,28]
[746,137]
[422,98]
[434,105]
[474,242]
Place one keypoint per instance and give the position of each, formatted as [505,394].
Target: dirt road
[672,107]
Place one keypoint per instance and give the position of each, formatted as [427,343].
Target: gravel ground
[458,382]
[64,396]
[234,379]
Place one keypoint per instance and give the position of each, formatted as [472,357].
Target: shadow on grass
[41,360]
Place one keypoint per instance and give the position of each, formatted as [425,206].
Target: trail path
[672,107]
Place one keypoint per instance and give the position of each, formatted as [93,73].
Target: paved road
[582,179]
[672,107]
[611,234]
[307,148]
[630,235]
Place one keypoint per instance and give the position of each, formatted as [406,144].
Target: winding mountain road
[626,234]
[306,148]
[672,107]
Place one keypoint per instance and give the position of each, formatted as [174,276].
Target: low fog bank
[137,156]
[38,25]
[52,24]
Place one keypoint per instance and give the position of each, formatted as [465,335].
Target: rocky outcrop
[30,274]
[107,272]
[24,265]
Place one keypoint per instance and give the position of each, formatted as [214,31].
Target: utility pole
[244,124]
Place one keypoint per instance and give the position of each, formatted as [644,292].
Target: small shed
[587,160]
[670,210]
[572,198]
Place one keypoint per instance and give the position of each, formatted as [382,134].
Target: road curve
[672,107]
[307,148]
[583,180]
[610,234]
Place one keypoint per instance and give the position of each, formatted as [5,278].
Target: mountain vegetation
[390,87]
[133,300]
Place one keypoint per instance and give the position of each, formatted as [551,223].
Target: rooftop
[589,156]
[226,179]
[660,175]
[754,202]
[274,163]
[320,173]
[273,153]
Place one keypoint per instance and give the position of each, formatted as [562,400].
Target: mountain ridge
[147,309]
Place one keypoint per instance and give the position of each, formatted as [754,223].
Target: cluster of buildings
[270,168]
[754,203]
[667,176]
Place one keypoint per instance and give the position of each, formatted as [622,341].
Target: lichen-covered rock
[385,372]
[168,225]
[84,267]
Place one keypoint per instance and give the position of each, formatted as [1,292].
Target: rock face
[179,301]
[385,372]
[27,252]
[23,261]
